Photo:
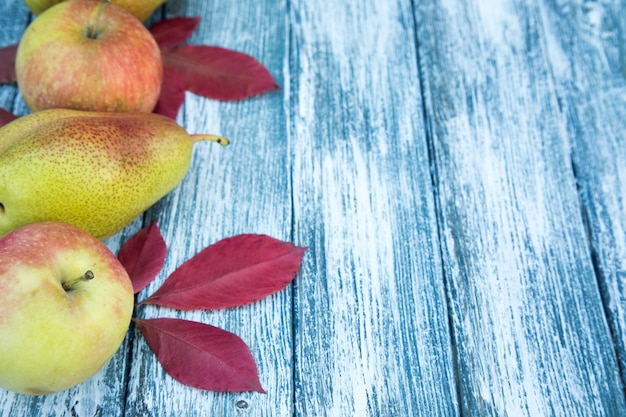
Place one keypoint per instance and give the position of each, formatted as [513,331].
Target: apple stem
[67,286]
[212,138]
[93,29]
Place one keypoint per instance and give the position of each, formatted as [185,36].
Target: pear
[141,9]
[38,6]
[97,171]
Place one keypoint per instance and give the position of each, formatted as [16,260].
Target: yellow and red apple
[89,55]
[65,306]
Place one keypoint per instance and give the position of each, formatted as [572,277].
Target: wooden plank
[14,18]
[527,317]
[587,46]
[243,188]
[103,393]
[370,314]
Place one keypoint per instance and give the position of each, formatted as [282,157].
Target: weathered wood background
[457,170]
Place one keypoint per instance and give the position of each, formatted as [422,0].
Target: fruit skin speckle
[97,171]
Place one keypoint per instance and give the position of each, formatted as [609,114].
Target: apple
[65,306]
[89,55]
[141,9]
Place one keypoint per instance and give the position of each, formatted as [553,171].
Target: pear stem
[67,286]
[212,138]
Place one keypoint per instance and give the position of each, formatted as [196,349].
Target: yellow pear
[38,6]
[97,171]
[141,9]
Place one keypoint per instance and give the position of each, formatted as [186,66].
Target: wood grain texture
[243,188]
[527,316]
[14,18]
[370,314]
[587,45]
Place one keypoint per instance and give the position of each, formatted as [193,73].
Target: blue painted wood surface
[457,171]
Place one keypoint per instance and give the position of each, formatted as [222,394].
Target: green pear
[97,171]
[141,9]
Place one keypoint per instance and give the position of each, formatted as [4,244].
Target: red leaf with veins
[218,73]
[232,272]
[6,117]
[143,256]
[201,355]
[172,94]
[172,32]
[7,64]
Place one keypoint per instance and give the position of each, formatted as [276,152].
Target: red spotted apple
[88,55]
[141,9]
[65,306]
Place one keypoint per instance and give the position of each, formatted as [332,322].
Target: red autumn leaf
[172,32]
[6,117]
[232,272]
[7,64]
[143,256]
[172,94]
[218,73]
[200,355]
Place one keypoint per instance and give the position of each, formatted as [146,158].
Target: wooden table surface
[457,169]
